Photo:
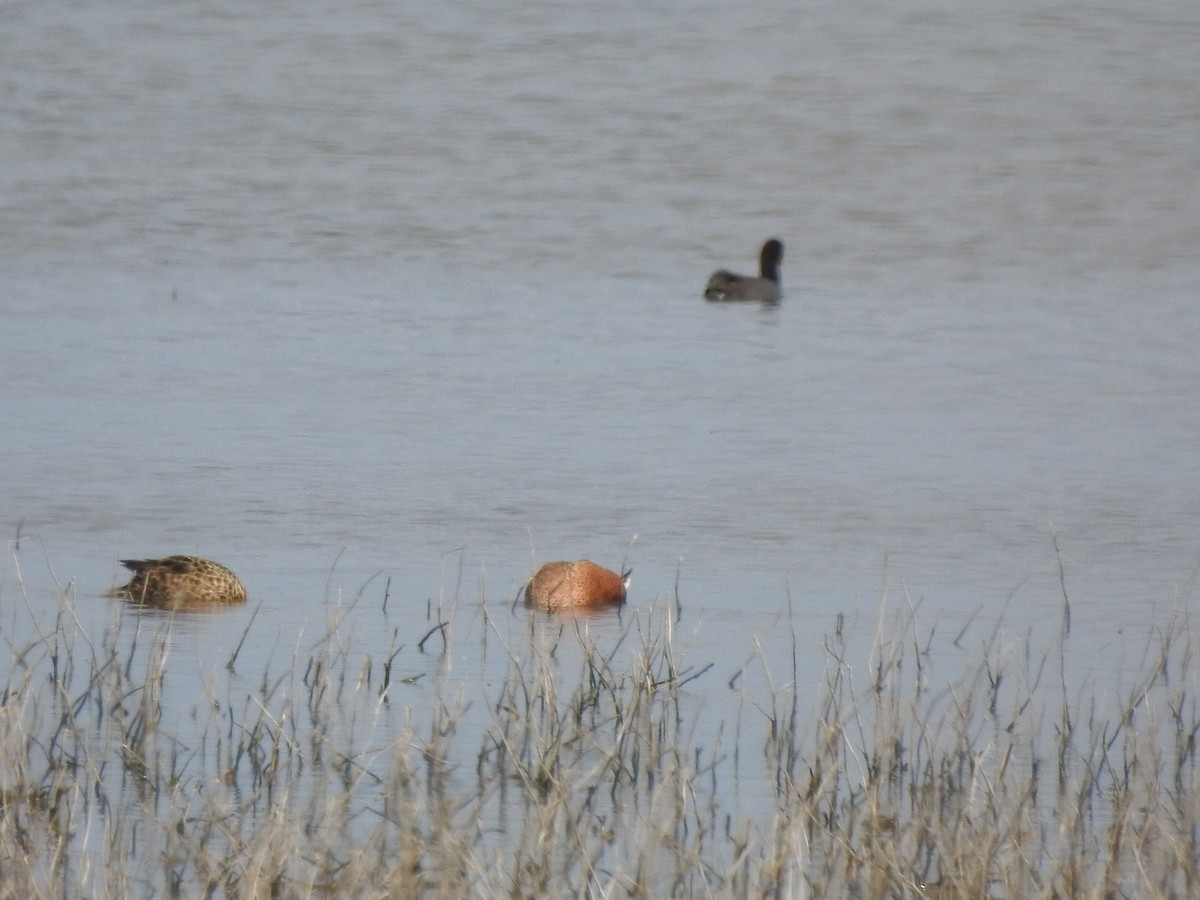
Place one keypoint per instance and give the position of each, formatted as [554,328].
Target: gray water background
[404,298]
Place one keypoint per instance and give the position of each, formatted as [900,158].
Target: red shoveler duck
[575,585]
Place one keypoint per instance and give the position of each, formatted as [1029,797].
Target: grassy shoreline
[309,777]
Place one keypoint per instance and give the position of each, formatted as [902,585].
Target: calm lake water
[405,298]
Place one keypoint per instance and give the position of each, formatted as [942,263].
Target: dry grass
[588,778]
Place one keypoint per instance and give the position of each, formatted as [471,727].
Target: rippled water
[411,292]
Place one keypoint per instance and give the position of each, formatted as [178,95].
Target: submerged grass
[590,777]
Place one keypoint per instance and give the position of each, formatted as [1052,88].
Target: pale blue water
[413,293]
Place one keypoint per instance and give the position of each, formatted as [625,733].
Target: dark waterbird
[724,285]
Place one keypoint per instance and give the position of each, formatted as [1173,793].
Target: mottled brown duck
[180,582]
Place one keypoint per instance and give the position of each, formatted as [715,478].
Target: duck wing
[722,285]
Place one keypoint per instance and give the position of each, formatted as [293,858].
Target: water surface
[402,301]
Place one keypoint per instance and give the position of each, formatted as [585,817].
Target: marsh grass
[959,766]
